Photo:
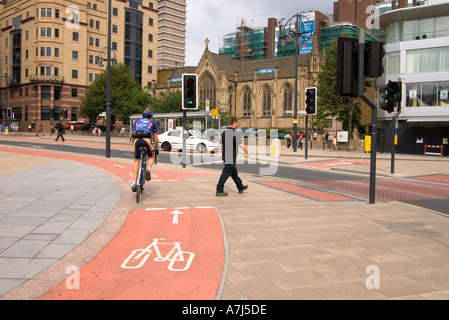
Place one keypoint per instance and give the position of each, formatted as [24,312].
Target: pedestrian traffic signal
[311,103]
[189,92]
[392,96]
[374,53]
[347,82]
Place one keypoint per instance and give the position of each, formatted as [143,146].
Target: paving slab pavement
[281,245]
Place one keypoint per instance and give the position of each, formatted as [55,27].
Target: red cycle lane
[165,254]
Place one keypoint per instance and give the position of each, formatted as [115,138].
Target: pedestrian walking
[315,136]
[334,144]
[40,130]
[231,142]
[325,138]
[61,131]
[288,138]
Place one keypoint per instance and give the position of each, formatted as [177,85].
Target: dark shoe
[134,188]
[148,175]
[221,194]
[243,189]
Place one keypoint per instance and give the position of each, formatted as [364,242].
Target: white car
[173,140]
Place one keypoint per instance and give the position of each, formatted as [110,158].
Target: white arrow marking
[175,214]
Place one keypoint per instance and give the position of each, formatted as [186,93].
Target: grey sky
[214,19]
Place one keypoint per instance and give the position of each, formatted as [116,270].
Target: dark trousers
[229,170]
[60,135]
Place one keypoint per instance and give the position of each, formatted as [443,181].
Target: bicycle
[140,180]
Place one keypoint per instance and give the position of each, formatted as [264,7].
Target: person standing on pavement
[231,141]
[40,130]
[334,144]
[61,131]
[288,138]
[325,138]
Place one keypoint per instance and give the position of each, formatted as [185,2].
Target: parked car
[249,131]
[173,140]
[77,125]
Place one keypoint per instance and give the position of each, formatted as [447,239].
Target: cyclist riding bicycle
[144,132]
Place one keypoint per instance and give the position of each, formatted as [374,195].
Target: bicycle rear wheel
[138,189]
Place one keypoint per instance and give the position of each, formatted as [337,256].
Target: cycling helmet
[147,114]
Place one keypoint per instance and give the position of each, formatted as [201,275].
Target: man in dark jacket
[231,141]
[61,131]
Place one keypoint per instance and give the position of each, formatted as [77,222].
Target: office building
[50,53]
[417,53]
[171,34]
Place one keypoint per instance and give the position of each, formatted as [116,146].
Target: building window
[74,55]
[74,93]
[207,90]
[57,93]
[288,99]
[427,94]
[75,36]
[266,102]
[428,60]
[247,101]
[45,113]
[45,92]
[74,74]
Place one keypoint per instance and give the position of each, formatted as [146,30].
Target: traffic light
[9,113]
[347,83]
[374,53]
[189,92]
[392,96]
[311,100]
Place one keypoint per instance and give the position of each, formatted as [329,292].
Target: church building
[260,93]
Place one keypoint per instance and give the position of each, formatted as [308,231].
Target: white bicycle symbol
[174,255]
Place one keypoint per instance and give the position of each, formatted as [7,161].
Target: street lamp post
[108,60]
[294,33]
[108,86]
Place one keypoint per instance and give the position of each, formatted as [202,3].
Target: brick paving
[282,245]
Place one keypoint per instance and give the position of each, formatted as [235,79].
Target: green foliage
[172,102]
[126,96]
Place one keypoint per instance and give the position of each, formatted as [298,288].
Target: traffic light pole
[393,146]
[306,138]
[184,142]
[372,180]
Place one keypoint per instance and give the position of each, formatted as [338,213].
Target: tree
[345,109]
[171,103]
[126,96]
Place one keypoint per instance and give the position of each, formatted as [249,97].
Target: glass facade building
[417,51]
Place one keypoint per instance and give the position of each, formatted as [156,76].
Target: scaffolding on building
[247,43]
